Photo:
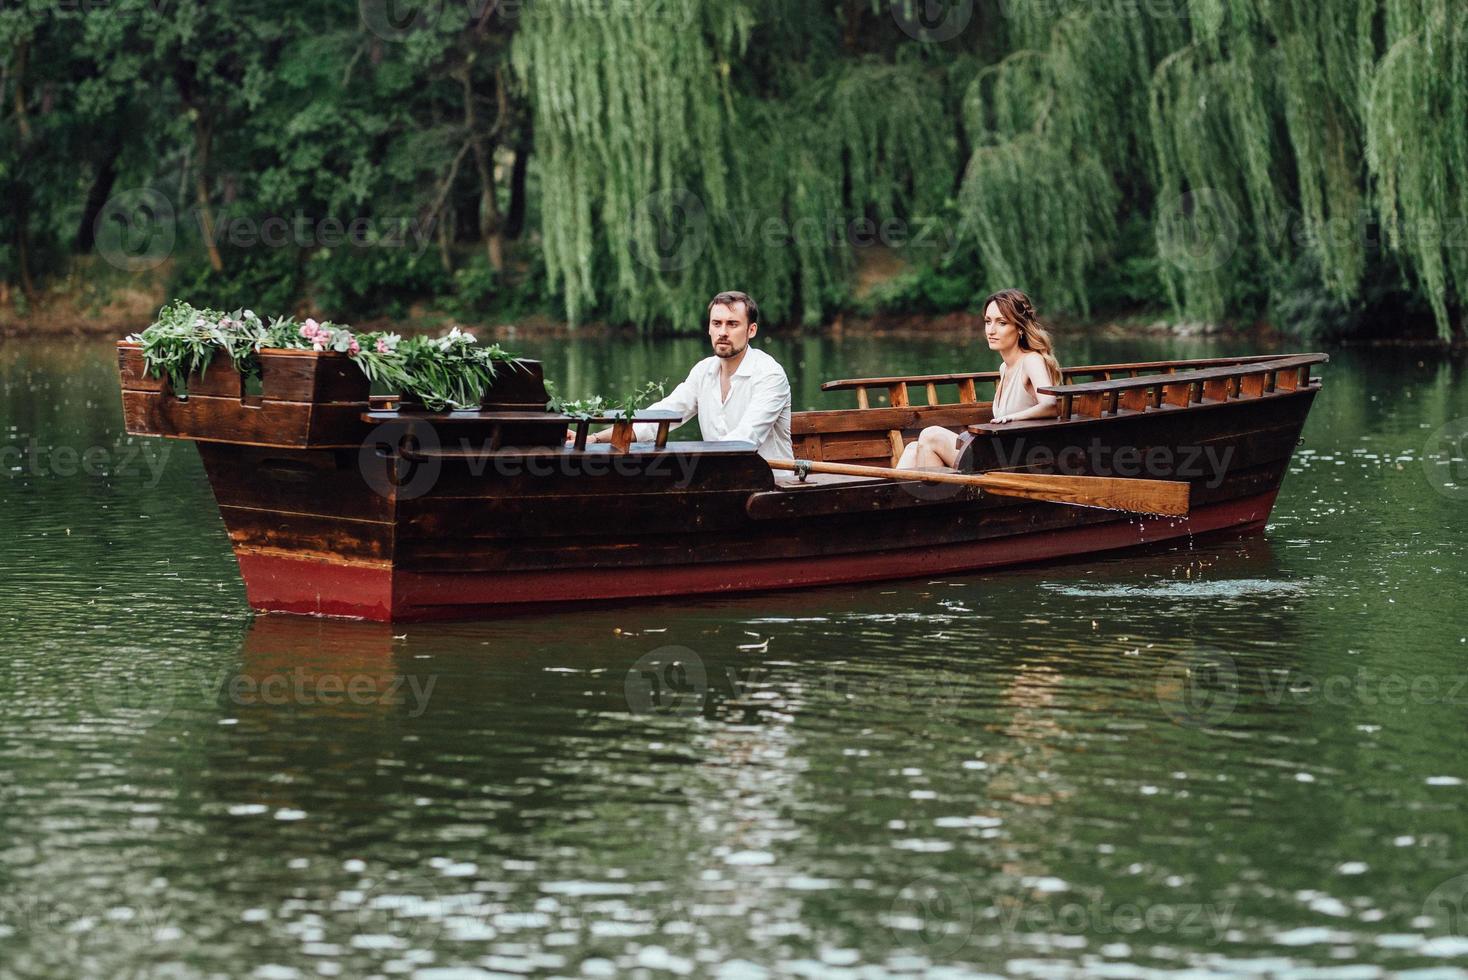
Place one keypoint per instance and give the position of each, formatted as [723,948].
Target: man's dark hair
[751,308]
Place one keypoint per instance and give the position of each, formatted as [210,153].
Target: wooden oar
[1167,497]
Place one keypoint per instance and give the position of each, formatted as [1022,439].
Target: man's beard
[733,351]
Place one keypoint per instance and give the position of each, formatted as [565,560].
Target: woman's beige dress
[1013,394]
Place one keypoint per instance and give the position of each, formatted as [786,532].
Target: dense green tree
[622,159]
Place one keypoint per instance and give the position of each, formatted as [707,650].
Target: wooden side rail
[874,437]
[1248,379]
[498,419]
[899,395]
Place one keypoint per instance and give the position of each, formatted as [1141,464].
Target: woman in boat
[1028,355]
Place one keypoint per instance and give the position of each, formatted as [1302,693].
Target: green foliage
[380,279]
[451,371]
[623,161]
[1132,280]
[182,341]
[269,277]
[923,290]
[597,406]
[477,288]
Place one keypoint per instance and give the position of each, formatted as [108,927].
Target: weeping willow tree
[1416,109]
[1058,130]
[631,124]
[669,170]
[1313,122]
[705,144]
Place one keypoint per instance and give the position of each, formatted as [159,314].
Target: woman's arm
[1035,373]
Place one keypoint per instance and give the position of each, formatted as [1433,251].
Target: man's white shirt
[757,409]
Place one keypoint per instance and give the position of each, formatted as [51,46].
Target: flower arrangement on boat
[452,371]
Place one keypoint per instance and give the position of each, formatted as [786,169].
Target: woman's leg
[909,458]
[940,446]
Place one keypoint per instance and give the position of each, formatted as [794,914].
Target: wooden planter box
[307,400]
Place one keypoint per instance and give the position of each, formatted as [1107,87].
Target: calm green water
[1244,759]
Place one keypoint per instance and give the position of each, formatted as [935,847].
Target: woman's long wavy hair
[1033,336]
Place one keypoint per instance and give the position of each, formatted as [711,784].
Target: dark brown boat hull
[334,532]
[277,582]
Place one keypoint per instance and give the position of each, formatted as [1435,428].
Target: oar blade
[1168,498]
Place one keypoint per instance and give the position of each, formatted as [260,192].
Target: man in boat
[740,394]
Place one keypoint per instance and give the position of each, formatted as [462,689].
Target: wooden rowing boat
[340,504]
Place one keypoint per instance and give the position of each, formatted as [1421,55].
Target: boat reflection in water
[747,657]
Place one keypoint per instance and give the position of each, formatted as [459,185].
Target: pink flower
[318,342]
[382,347]
[355,348]
[307,332]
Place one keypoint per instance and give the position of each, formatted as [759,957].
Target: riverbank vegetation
[619,160]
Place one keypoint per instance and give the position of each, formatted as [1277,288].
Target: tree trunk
[447,219]
[483,146]
[515,218]
[203,136]
[490,225]
[86,231]
[20,204]
[22,217]
[22,118]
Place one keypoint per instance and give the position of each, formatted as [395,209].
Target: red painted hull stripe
[277,583]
